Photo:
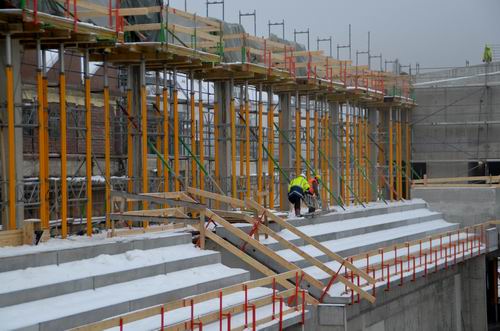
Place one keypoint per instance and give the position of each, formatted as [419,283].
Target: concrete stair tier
[352,232]
[89,286]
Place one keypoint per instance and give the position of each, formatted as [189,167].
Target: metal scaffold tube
[298,147]
[11,133]
[130,140]
[308,135]
[247,142]
[157,105]
[233,140]
[347,161]
[192,107]
[391,157]
[63,124]
[88,143]
[44,210]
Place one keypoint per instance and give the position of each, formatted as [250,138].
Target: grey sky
[431,32]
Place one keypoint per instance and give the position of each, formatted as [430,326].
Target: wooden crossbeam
[254,205]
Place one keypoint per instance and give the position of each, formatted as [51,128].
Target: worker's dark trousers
[294,196]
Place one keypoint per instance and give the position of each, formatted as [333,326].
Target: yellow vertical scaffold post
[259,146]
[242,140]
[298,147]
[144,136]
[63,122]
[347,180]
[247,142]
[233,141]
[342,156]
[355,147]
[270,145]
[391,157]
[107,146]
[176,135]
[11,133]
[201,120]
[408,153]
[88,143]
[400,160]
[159,168]
[193,132]
[316,134]
[165,130]
[308,136]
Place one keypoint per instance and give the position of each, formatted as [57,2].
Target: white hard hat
[303,175]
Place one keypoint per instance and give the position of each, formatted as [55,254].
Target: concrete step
[104,270]
[181,315]
[371,209]
[362,243]
[356,226]
[83,307]
[57,251]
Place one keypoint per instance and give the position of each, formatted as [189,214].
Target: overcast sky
[434,33]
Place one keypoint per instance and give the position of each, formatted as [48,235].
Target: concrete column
[373,123]
[334,115]
[223,92]
[17,50]
[285,125]
[473,298]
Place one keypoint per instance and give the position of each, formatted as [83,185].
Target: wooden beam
[254,205]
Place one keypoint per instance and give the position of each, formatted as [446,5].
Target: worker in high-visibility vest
[314,184]
[296,190]
[487,54]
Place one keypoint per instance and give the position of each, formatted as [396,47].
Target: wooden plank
[493,179]
[217,197]
[166,212]
[172,27]
[262,248]
[157,200]
[11,238]
[312,260]
[254,205]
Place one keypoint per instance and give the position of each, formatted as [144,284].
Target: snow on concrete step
[365,242]
[29,284]
[356,226]
[56,251]
[357,211]
[203,308]
[83,307]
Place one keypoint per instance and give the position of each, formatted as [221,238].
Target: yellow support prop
[233,148]
[64,171]
[242,150]
[316,138]
[41,152]
[270,147]
[176,141]
[202,146]
[308,142]
[259,152]
[298,147]
[88,154]
[391,157]
[408,154]
[247,145]
[144,141]
[355,175]
[193,138]
[159,169]
[342,156]
[347,158]
[165,139]
[12,157]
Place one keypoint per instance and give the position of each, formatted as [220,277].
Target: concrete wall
[456,120]
[464,205]
[450,300]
